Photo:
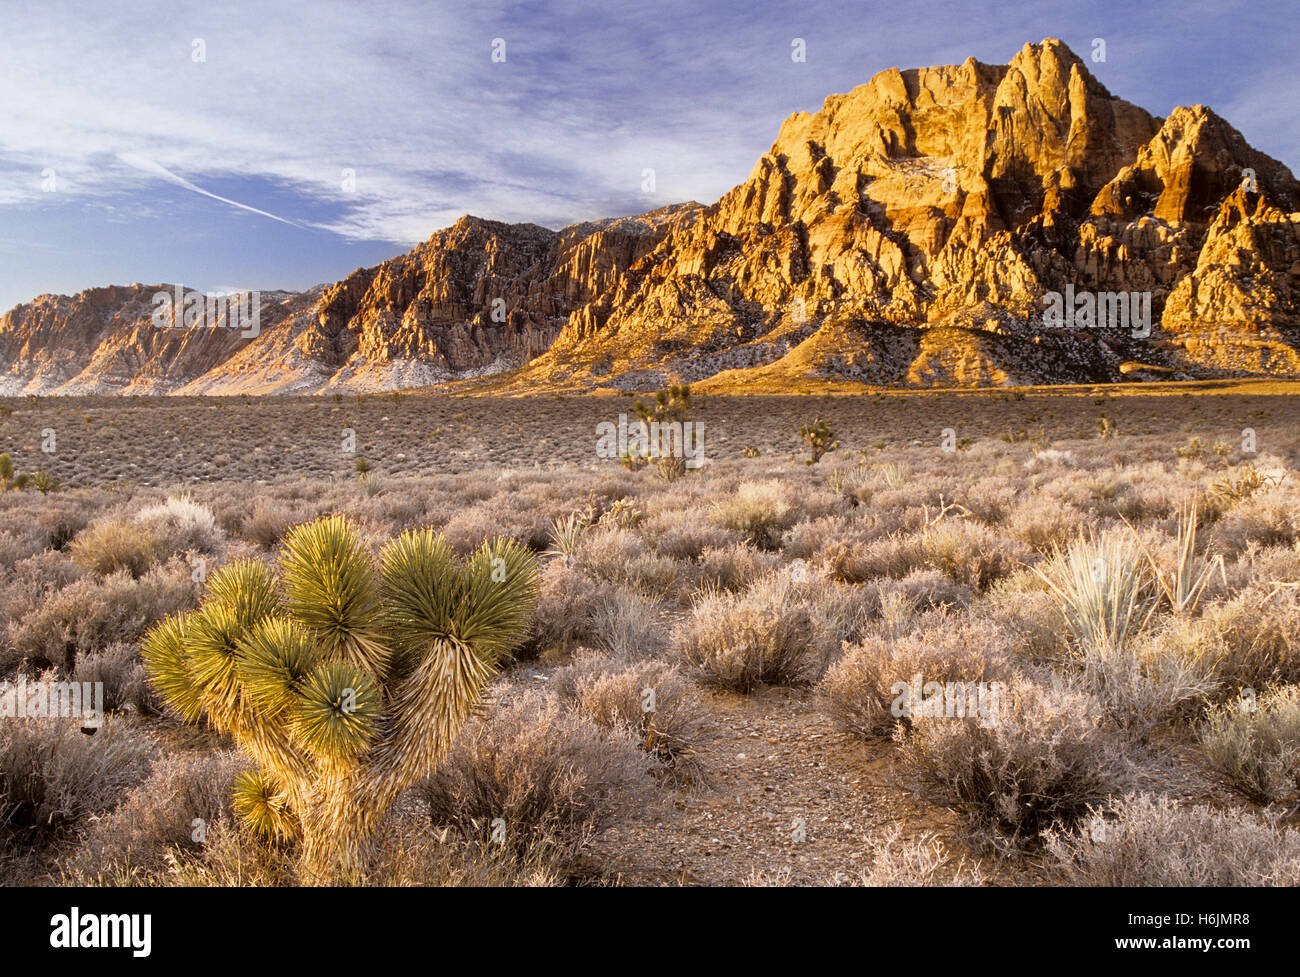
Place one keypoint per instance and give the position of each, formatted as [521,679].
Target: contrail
[149,166]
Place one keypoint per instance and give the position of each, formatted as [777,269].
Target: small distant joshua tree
[346,682]
[671,406]
[820,438]
[12,481]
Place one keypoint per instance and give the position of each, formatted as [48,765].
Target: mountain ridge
[908,233]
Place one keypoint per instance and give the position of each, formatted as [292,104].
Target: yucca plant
[1102,589]
[1234,488]
[671,406]
[565,534]
[1183,583]
[344,681]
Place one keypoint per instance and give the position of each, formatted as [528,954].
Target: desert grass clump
[1146,841]
[118,670]
[734,568]
[1183,579]
[566,607]
[61,522]
[970,553]
[111,545]
[895,556]
[54,777]
[1041,761]
[619,556]
[1268,518]
[1255,743]
[1163,675]
[534,774]
[566,532]
[346,682]
[650,699]
[268,522]
[765,636]
[624,624]
[1044,523]
[759,511]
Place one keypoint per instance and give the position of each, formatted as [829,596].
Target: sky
[275,145]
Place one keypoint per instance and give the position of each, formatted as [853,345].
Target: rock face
[477,298]
[954,226]
[105,340]
[910,233]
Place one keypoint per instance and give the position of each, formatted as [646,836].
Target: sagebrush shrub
[157,818]
[116,544]
[624,624]
[764,636]
[553,777]
[92,613]
[1042,763]
[650,699]
[758,510]
[1256,634]
[860,691]
[53,777]
[1255,743]
[1147,841]
[181,524]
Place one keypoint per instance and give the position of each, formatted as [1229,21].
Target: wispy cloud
[385,121]
[149,166]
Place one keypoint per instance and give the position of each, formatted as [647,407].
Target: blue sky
[141,138]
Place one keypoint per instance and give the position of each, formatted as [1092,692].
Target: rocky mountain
[954,226]
[910,232]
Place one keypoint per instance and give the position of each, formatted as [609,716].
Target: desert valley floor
[770,604]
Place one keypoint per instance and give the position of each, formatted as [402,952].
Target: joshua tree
[820,438]
[669,412]
[347,682]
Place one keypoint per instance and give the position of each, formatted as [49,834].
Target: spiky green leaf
[500,595]
[337,711]
[330,588]
[167,666]
[245,588]
[263,805]
[273,662]
[212,639]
